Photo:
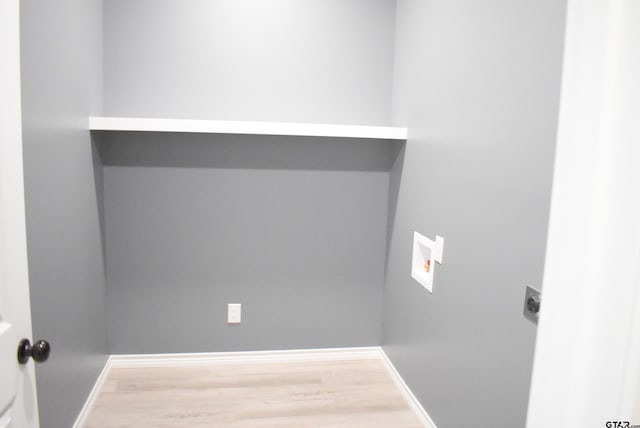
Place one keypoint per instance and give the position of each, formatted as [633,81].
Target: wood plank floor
[349,393]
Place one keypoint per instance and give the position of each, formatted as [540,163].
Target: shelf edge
[101,123]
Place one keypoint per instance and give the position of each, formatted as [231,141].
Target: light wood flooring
[349,393]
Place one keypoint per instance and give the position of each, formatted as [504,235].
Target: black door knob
[39,351]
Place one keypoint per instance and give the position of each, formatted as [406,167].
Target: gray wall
[477,83]
[292,228]
[61,67]
[282,60]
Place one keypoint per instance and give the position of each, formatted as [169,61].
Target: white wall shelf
[248,128]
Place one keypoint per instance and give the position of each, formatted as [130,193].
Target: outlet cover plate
[234,313]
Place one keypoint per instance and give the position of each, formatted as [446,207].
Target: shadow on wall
[98,180]
[395,176]
[246,151]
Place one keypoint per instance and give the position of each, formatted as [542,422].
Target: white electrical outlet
[234,313]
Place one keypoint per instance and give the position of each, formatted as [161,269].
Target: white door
[18,405]
[587,362]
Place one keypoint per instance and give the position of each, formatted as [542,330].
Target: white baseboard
[93,395]
[158,360]
[415,405]
[190,359]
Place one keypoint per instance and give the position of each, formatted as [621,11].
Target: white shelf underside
[246,128]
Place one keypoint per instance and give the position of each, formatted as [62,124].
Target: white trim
[5,419]
[247,128]
[190,359]
[93,395]
[411,399]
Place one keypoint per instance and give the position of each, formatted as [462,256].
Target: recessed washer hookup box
[425,254]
